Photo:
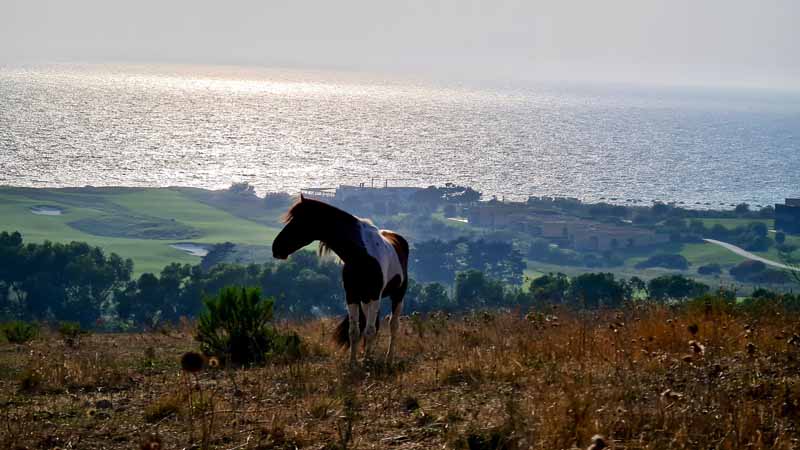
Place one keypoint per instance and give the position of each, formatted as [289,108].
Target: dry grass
[549,381]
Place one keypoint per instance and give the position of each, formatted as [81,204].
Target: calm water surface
[71,125]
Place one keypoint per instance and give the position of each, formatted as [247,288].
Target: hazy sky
[750,42]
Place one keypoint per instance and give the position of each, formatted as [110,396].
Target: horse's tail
[341,335]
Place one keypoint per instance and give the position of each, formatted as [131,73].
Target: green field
[704,253]
[140,223]
[733,223]
[156,206]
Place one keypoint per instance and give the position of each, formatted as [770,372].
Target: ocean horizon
[285,129]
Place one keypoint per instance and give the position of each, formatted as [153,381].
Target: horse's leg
[354,332]
[394,325]
[371,310]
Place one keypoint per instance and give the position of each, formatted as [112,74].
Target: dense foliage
[302,287]
[18,332]
[437,260]
[236,325]
[79,283]
[667,261]
[72,281]
[675,287]
[758,272]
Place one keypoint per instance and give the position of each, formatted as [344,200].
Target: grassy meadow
[140,223]
[643,379]
[125,209]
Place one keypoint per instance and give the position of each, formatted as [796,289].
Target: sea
[288,129]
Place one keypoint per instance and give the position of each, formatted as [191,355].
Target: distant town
[557,219]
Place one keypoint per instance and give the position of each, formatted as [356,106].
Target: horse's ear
[301,197]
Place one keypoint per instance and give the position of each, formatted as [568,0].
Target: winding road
[742,252]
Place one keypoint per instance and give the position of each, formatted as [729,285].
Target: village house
[362,198]
[566,231]
[787,216]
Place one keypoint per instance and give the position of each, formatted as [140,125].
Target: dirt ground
[646,378]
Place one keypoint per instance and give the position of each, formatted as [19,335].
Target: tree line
[78,282]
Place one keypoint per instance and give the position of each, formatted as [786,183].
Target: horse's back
[400,246]
[385,248]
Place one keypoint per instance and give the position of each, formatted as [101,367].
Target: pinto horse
[375,266]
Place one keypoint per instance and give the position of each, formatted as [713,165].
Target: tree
[636,284]
[675,287]
[549,289]
[71,282]
[244,189]
[676,261]
[427,297]
[746,269]
[742,209]
[498,259]
[709,269]
[473,290]
[786,256]
[434,260]
[430,195]
[594,290]
[780,237]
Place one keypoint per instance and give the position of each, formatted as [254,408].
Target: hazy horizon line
[436,76]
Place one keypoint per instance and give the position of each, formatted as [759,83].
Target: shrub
[720,302]
[277,200]
[771,276]
[71,333]
[757,272]
[31,380]
[675,287]
[243,188]
[762,302]
[164,407]
[744,270]
[18,332]
[666,261]
[235,325]
[595,290]
[709,269]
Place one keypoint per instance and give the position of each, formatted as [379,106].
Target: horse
[375,266]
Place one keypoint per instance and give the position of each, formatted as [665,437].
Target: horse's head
[298,231]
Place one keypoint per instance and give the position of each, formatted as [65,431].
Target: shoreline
[726,207]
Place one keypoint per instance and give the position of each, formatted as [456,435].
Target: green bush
[235,325]
[18,332]
[722,301]
[665,260]
[71,333]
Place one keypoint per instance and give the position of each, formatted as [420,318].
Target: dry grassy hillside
[485,381]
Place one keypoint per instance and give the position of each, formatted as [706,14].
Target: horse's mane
[315,209]
[310,207]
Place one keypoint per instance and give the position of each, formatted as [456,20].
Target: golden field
[649,377]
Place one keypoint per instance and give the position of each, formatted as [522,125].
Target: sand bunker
[192,249]
[44,210]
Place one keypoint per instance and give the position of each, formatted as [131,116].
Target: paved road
[742,252]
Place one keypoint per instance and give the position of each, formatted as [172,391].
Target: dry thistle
[192,362]
[751,348]
[151,442]
[697,347]
[213,362]
[693,328]
[598,443]
[671,395]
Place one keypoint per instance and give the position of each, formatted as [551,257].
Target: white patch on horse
[383,252]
